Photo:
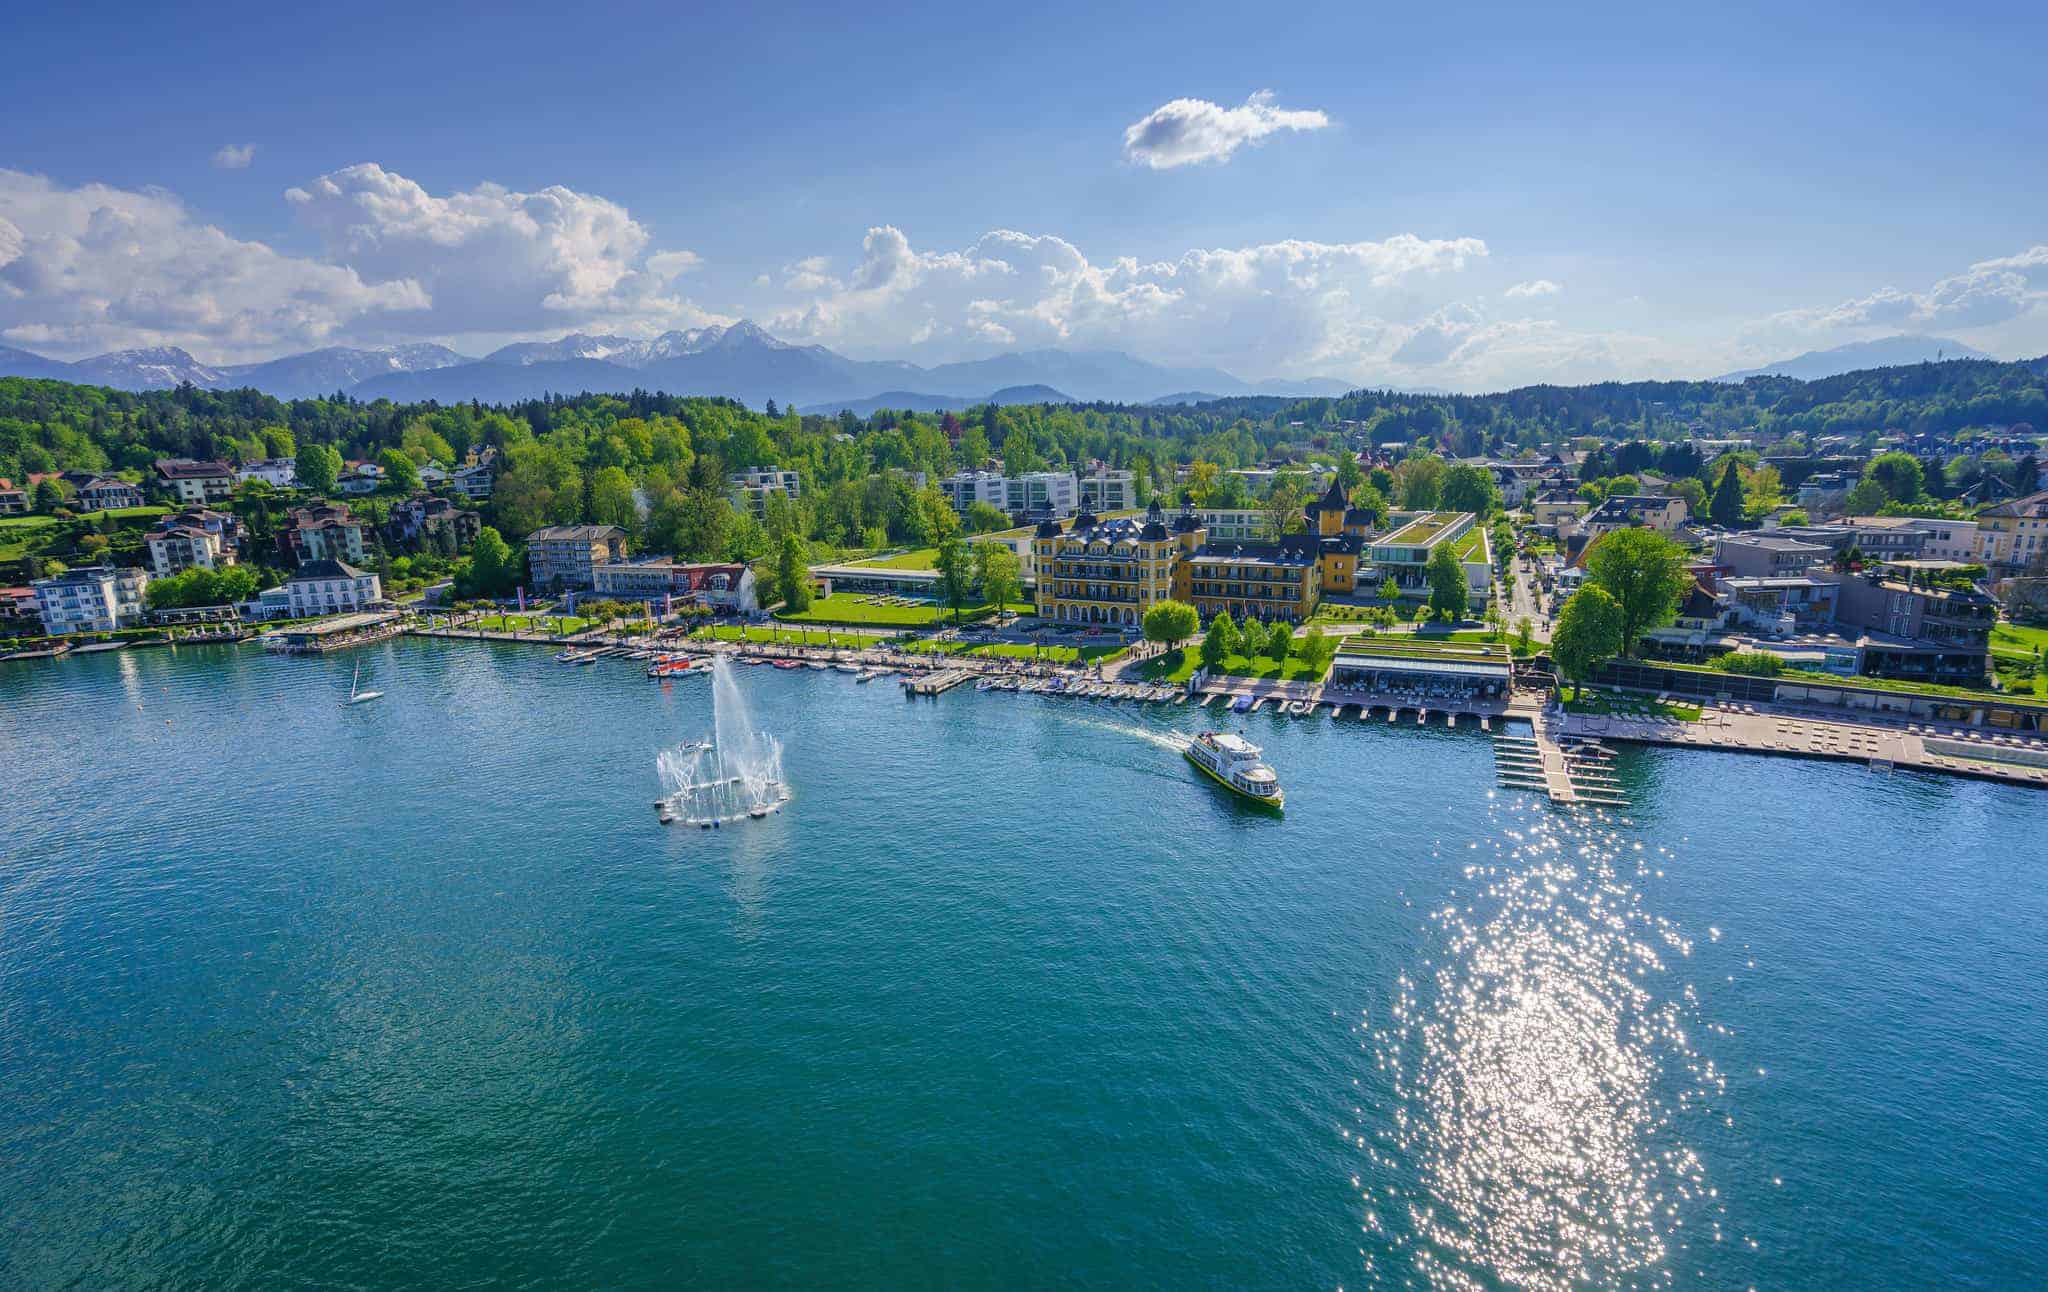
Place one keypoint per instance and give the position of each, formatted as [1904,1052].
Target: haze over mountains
[743,362]
[740,361]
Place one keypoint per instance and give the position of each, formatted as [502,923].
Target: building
[1103,490]
[13,501]
[1105,572]
[421,519]
[473,482]
[195,483]
[2013,535]
[1916,631]
[92,598]
[750,489]
[1381,664]
[359,478]
[328,587]
[1768,555]
[1556,505]
[1035,495]
[1403,554]
[105,493]
[726,587]
[1635,511]
[324,531]
[278,473]
[1277,580]
[567,556]
[198,537]
[1339,531]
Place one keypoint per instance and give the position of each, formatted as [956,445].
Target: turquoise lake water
[420,993]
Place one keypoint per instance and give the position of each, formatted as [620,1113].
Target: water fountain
[737,774]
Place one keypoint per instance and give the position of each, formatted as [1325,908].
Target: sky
[1467,197]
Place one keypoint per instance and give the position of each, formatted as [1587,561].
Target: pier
[936,683]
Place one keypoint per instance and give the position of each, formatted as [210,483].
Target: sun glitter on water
[1540,1074]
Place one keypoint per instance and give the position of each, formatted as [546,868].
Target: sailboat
[355,696]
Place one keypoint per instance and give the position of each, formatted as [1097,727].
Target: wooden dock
[1576,776]
[937,683]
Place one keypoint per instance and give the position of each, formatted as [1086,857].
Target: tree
[1449,595]
[401,473]
[792,580]
[1899,474]
[1280,642]
[317,465]
[999,573]
[1170,623]
[1644,572]
[1866,499]
[1469,488]
[1390,590]
[956,573]
[983,517]
[1284,503]
[494,568]
[1420,482]
[1317,649]
[611,499]
[49,497]
[1589,632]
[1220,642]
[1525,635]
[1726,508]
[1202,481]
[1367,499]
[1251,639]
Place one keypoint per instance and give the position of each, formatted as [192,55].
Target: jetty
[937,683]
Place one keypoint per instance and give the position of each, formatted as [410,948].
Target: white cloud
[495,260]
[1534,287]
[1988,293]
[94,267]
[234,156]
[1185,132]
[1294,306]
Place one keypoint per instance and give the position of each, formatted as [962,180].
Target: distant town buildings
[423,519]
[323,531]
[93,598]
[328,587]
[278,473]
[728,587]
[567,556]
[193,538]
[1034,495]
[750,489]
[1104,489]
[194,482]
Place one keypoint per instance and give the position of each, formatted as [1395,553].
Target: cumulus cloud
[1988,293]
[234,156]
[1185,132]
[1534,287]
[95,267]
[496,260]
[1293,306]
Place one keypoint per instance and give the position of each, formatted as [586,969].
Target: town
[1666,591]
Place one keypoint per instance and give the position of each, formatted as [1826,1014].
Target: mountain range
[1885,352]
[739,361]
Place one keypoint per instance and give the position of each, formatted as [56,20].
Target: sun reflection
[1537,1062]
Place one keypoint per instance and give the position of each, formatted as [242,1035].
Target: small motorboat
[1241,704]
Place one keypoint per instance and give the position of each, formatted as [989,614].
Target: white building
[94,598]
[196,482]
[722,586]
[1105,490]
[280,473]
[473,482]
[1035,494]
[330,587]
[362,478]
[178,545]
[750,489]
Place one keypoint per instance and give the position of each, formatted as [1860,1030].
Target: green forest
[657,463]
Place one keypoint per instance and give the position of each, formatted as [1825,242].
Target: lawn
[552,625]
[923,558]
[786,636]
[1019,650]
[2016,656]
[1180,665]
[867,609]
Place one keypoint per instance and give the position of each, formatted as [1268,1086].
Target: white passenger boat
[1234,762]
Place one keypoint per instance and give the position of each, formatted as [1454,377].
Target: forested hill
[560,453]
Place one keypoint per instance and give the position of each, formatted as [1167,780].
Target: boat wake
[1174,741]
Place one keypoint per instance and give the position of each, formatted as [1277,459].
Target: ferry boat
[1233,762]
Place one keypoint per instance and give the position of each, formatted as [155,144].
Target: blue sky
[1675,193]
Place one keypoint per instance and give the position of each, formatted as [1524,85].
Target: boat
[1234,763]
[355,696]
[785,663]
[846,668]
[569,656]
[1240,704]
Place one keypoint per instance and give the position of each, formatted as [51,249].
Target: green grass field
[920,559]
[1632,706]
[1014,650]
[1180,665]
[786,636]
[860,608]
[552,625]
[2016,656]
